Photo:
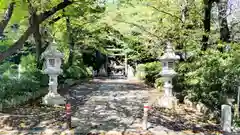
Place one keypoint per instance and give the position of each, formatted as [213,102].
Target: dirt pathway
[116,105]
[106,105]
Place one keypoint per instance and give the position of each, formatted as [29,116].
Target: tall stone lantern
[52,67]
[167,73]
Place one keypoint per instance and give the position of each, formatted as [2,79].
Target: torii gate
[117,53]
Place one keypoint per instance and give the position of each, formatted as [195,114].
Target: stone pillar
[168,87]
[226,118]
[19,71]
[126,65]
[130,74]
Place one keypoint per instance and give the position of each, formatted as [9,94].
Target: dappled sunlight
[181,120]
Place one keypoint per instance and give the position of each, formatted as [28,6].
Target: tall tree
[222,17]
[70,38]
[206,23]
[36,34]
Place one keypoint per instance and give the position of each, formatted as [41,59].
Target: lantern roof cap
[169,53]
[52,51]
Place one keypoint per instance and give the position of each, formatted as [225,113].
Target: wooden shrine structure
[116,62]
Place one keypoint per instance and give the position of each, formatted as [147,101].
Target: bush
[210,77]
[77,71]
[140,71]
[149,72]
[158,83]
[15,90]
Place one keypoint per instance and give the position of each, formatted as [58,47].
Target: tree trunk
[41,17]
[38,40]
[222,17]
[70,40]
[206,23]
[33,22]
[6,18]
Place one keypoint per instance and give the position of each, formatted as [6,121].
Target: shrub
[210,77]
[77,71]
[158,83]
[149,72]
[15,90]
[140,71]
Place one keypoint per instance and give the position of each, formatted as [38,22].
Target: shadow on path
[119,106]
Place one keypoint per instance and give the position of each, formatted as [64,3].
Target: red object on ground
[68,109]
[68,106]
[68,115]
[148,107]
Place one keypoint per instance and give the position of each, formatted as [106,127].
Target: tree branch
[42,17]
[166,13]
[7,17]
[140,27]
[55,20]
[17,45]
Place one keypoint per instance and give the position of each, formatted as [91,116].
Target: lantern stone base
[169,102]
[53,99]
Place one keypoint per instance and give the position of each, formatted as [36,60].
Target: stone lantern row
[53,61]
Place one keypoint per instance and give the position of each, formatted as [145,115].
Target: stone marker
[130,72]
[226,118]
[1,106]
[20,70]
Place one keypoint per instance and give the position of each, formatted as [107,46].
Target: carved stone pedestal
[53,99]
[169,102]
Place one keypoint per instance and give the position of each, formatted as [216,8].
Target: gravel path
[112,105]
[116,105]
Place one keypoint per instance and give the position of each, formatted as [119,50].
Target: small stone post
[1,107]
[126,65]
[145,116]
[19,71]
[53,61]
[226,118]
[238,103]
[167,73]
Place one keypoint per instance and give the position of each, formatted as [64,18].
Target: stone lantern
[53,61]
[167,73]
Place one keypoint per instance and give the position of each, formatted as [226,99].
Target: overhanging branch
[140,27]
[165,12]
[42,17]
[7,17]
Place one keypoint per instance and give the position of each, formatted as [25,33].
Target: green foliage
[140,71]
[158,83]
[77,70]
[149,72]
[30,70]
[210,77]
[15,89]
